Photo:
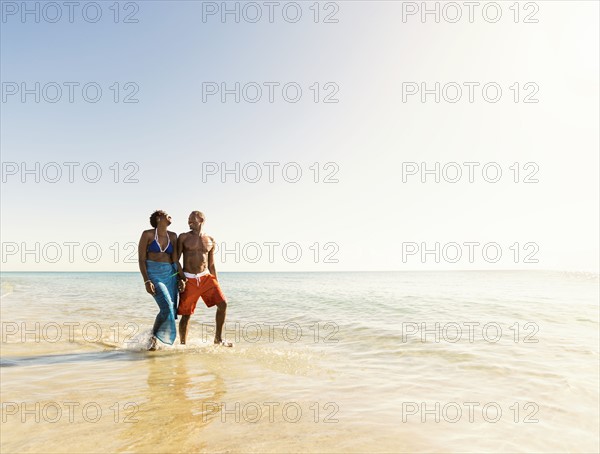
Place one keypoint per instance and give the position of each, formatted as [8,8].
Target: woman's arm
[175,257]
[142,255]
[179,251]
[176,254]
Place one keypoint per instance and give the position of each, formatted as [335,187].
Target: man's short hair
[154,217]
[198,213]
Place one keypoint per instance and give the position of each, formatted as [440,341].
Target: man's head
[196,220]
[159,216]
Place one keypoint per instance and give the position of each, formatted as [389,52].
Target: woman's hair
[154,217]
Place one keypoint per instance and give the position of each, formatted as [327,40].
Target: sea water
[322,362]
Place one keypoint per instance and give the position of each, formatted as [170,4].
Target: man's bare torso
[195,251]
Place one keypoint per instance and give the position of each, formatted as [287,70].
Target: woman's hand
[150,288]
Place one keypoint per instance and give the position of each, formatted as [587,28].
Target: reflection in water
[177,407]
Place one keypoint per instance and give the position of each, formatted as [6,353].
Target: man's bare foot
[223,343]
[152,344]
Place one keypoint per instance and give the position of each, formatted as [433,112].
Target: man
[201,277]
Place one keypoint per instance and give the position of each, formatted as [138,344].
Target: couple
[159,251]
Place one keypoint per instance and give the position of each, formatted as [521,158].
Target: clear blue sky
[368,134]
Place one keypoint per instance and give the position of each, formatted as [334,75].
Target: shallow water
[323,362]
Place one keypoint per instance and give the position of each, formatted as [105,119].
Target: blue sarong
[164,277]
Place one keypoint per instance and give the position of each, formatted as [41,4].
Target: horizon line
[323,271]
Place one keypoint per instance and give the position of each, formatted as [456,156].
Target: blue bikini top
[155,245]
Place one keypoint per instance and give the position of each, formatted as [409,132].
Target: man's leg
[220,321]
[187,305]
[183,327]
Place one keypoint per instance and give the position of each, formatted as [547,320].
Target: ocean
[477,361]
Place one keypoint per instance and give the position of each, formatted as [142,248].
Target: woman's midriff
[159,257]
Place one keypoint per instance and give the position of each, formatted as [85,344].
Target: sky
[341,161]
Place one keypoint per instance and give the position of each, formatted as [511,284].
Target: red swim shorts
[208,288]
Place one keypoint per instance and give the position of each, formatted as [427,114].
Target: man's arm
[211,260]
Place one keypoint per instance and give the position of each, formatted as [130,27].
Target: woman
[159,266]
